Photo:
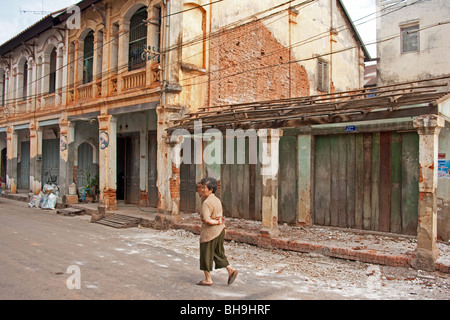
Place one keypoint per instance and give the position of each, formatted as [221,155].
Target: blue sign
[350,129]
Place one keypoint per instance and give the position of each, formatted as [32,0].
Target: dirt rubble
[310,272]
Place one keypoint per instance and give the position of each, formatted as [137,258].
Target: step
[119,221]
[70,212]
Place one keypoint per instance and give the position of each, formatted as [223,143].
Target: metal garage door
[23,167]
[50,161]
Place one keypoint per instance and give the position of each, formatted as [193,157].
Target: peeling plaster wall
[431,60]
[443,190]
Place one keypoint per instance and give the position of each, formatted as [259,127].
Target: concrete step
[70,212]
[119,221]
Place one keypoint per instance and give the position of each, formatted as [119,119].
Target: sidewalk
[350,244]
[358,245]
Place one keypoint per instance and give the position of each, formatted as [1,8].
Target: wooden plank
[410,182]
[322,179]
[333,213]
[396,181]
[367,180]
[351,180]
[359,180]
[375,181]
[225,183]
[287,180]
[342,180]
[385,182]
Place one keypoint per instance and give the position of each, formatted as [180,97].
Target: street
[45,255]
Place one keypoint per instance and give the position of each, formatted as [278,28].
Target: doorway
[128,168]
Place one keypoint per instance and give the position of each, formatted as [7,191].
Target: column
[305,164]
[35,157]
[269,157]
[11,159]
[143,166]
[66,155]
[107,161]
[428,127]
[169,204]
[59,75]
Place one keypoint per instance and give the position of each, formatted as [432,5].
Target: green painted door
[367,181]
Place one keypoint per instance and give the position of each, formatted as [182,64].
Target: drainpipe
[166,46]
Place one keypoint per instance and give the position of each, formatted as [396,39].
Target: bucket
[73,189]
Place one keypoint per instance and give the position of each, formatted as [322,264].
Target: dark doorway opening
[128,168]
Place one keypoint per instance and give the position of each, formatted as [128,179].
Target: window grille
[52,75]
[410,39]
[88,58]
[322,75]
[137,40]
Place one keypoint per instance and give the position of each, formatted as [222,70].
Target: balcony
[116,84]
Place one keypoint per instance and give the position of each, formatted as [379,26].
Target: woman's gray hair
[210,183]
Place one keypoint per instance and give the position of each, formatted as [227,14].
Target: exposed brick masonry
[249,64]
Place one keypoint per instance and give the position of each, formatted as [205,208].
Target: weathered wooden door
[287,180]
[132,191]
[188,184]
[85,167]
[128,169]
[152,170]
[50,161]
[241,181]
[367,181]
[3,165]
[23,167]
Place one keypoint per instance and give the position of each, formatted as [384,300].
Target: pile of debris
[46,199]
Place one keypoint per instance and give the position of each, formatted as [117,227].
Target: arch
[129,9]
[194,34]
[94,149]
[137,39]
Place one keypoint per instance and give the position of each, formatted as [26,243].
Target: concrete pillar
[143,166]
[11,159]
[304,179]
[107,161]
[171,211]
[428,127]
[35,157]
[269,157]
[66,152]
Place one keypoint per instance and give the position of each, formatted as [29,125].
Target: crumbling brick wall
[249,64]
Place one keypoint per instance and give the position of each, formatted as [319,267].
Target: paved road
[44,255]
[42,252]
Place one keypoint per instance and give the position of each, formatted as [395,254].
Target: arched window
[137,40]
[52,75]
[88,57]
[25,80]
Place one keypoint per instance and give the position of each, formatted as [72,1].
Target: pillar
[169,211]
[35,157]
[428,127]
[66,162]
[107,161]
[11,159]
[269,157]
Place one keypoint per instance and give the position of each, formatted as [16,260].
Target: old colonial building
[91,89]
[413,44]
[106,87]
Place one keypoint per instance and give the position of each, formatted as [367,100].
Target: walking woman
[212,234]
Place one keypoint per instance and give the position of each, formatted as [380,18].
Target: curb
[368,256]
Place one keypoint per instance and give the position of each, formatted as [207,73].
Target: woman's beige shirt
[211,209]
